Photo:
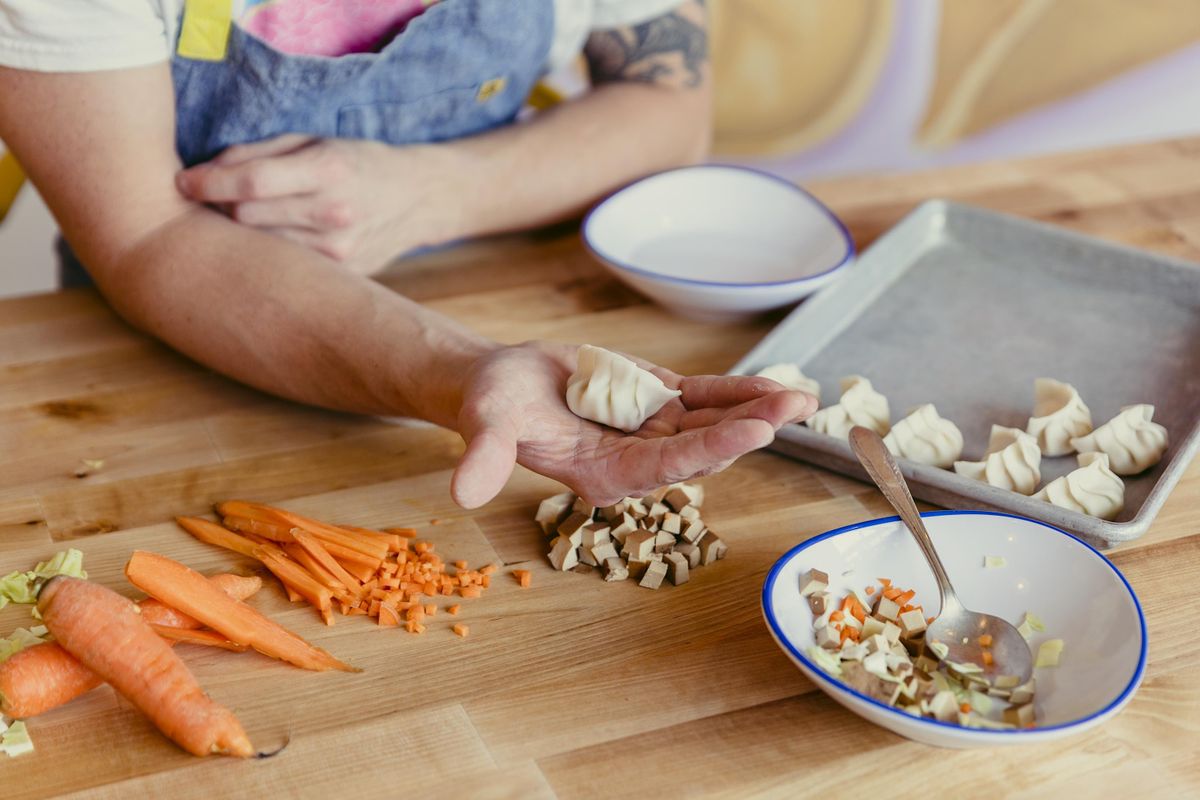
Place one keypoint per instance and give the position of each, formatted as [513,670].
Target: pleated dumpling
[789,375]
[860,405]
[926,437]
[1092,489]
[1132,442]
[1013,461]
[612,390]
[1059,415]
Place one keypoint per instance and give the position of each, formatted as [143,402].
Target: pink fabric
[329,27]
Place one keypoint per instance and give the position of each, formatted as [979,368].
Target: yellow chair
[12,177]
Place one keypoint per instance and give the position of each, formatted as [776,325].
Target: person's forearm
[286,320]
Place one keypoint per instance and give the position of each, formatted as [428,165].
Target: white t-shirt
[91,35]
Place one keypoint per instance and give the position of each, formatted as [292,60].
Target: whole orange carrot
[45,676]
[185,589]
[107,634]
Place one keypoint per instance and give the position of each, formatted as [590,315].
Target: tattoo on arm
[671,50]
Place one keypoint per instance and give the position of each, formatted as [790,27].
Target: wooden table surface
[576,687]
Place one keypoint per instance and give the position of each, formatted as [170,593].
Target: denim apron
[459,68]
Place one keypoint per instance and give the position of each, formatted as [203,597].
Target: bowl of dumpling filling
[850,607]
[717,242]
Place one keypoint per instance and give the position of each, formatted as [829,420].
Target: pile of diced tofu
[892,663]
[649,539]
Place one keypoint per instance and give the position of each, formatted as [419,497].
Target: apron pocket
[450,114]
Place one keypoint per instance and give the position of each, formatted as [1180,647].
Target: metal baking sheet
[964,308]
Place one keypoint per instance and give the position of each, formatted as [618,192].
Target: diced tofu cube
[653,578]
[944,706]
[613,513]
[870,627]
[694,492]
[1024,693]
[818,603]
[582,568]
[853,651]
[891,631]
[876,662]
[603,552]
[693,532]
[563,553]
[573,526]
[671,523]
[664,542]
[689,513]
[691,552]
[1007,681]
[912,623]
[639,545]
[594,534]
[637,568]
[711,548]
[1049,653]
[635,507]
[899,664]
[554,510]
[1021,716]
[813,581]
[677,568]
[877,644]
[829,637]
[586,558]
[622,528]
[615,569]
[925,664]
[677,499]
[888,609]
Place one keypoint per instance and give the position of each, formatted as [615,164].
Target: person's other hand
[359,202]
[514,410]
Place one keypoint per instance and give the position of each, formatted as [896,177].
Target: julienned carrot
[323,576]
[295,576]
[276,533]
[395,542]
[212,533]
[323,531]
[317,550]
[236,586]
[104,631]
[207,638]
[185,589]
[44,676]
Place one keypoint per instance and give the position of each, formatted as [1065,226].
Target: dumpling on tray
[1013,461]
[1132,442]
[1059,415]
[926,437]
[789,375]
[1092,489]
[860,404]
[612,390]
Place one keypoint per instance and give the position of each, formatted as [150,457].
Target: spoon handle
[878,461]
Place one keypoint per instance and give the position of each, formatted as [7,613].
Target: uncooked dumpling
[1130,440]
[1059,415]
[789,375]
[1013,461]
[860,405]
[612,390]
[925,437]
[1092,489]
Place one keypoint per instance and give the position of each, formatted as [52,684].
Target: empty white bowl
[718,242]
[1082,598]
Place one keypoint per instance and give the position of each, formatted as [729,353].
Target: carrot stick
[212,533]
[317,551]
[404,533]
[186,589]
[323,576]
[362,572]
[43,677]
[323,531]
[395,542]
[102,629]
[276,533]
[207,638]
[295,576]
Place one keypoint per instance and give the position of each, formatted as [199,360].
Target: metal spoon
[956,627]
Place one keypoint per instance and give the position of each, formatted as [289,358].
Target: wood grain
[573,688]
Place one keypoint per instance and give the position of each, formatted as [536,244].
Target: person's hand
[359,202]
[514,410]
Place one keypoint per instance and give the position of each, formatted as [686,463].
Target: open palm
[514,411]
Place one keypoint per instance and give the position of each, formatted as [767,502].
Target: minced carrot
[453,610]
[485,581]
[837,616]
[886,583]
[430,610]
[524,577]
[988,660]
[891,594]
[905,597]
[488,570]
[423,547]
[412,626]
[870,590]
[388,618]
[965,708]
[929,620]
[406,533]
[460,564]
[985,640]
[461,629]
[470,591]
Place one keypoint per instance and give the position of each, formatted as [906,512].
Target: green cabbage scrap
[22,587]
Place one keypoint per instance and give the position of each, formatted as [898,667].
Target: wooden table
[576,687]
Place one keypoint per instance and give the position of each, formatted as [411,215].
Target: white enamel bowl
[1082,598]
[718,242]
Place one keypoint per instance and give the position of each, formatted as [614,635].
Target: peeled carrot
[323,531]
[277,533]
[44,676]
[212,533]
[185,589]
[104,631]
[207,638]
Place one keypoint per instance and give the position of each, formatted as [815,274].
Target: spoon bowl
[956,627]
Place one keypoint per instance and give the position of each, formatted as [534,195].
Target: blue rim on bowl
[769,615]
[595,250]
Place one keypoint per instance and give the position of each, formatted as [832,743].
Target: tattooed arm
[649,110]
